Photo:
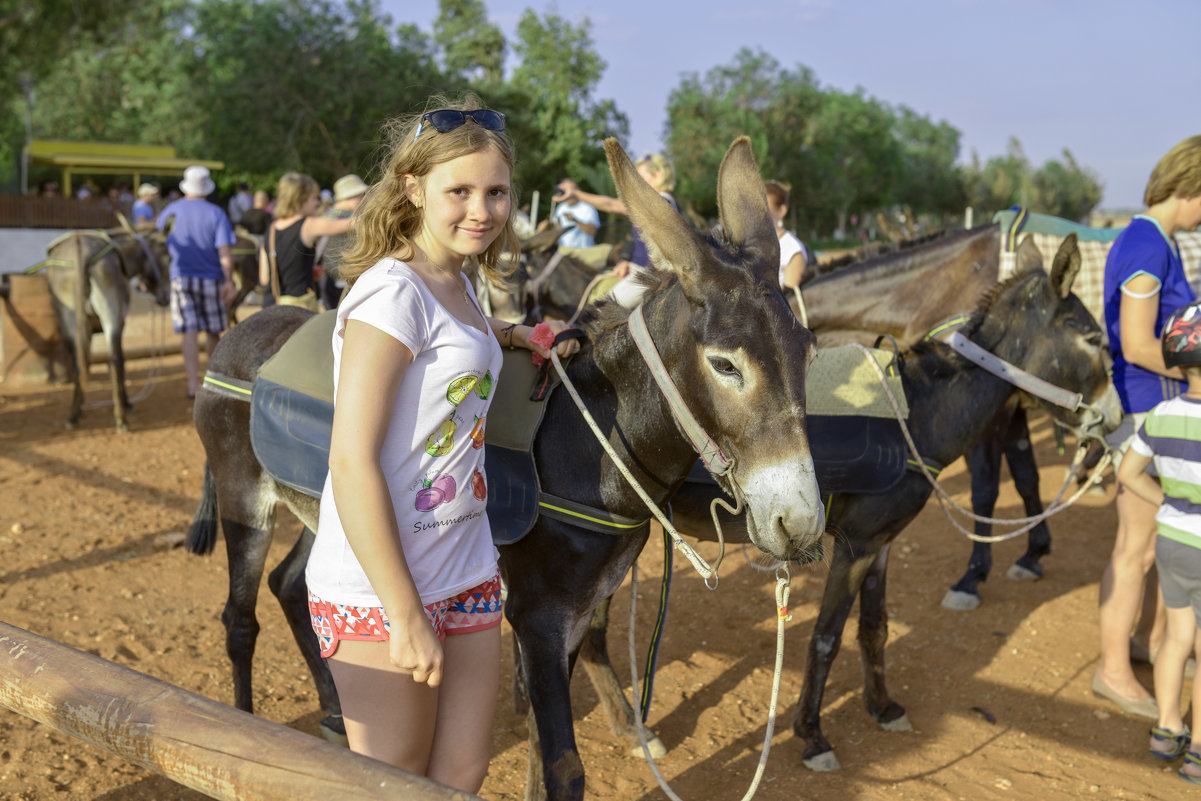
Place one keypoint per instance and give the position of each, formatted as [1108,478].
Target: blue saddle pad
[290,433]
[862,455]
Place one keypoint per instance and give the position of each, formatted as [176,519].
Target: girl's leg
[1122,589]
[388,716]
[467,704]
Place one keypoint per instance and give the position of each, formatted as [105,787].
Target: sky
[1116,83]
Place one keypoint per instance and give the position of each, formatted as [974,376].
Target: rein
[1008,372]
[783,590]
[708,572]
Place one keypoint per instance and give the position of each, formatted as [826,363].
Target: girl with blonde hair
[404,589]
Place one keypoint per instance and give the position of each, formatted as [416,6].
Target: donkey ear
[742,205]
[1029,257]
[671,242]
[543,240]
[1066,266]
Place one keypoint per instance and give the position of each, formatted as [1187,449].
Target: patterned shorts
[471,610]
[196,305]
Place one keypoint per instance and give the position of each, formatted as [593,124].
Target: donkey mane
[983,305]
[917,248]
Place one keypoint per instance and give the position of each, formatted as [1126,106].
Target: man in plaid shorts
[200,241]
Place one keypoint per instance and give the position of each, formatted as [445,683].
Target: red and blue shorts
[476,609]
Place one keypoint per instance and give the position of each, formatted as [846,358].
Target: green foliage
[557,123]
[471,46]
[1063,189]
[274,85]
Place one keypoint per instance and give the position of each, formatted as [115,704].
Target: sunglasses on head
[447,119]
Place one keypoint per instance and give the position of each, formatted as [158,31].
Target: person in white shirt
[404,590]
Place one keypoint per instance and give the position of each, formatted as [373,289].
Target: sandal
[1179,744]
[1194,759]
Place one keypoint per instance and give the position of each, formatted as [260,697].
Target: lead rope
[707,571]
[783,589]
[944,499]
[800,307]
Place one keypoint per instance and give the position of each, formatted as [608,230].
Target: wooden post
[32,345]
[210,747]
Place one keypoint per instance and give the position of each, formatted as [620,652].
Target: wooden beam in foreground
[211,747]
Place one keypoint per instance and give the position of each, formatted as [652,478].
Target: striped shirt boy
[1171,437]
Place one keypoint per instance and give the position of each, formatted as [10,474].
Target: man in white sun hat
[200,240]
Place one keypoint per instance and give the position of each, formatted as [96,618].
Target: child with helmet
[1170,437]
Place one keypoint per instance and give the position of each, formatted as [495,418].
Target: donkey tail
[202,536]
[83,289]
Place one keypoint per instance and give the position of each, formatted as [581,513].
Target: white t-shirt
[789,247]
[432,456]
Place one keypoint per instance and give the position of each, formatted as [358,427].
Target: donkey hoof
[900,724]
[823,763]
[654,745]
[1020,573]
[960,601]
[333,730]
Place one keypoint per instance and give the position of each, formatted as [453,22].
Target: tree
[1066,189]
[1061,189]
[471,46]
[929,179]
[554,118]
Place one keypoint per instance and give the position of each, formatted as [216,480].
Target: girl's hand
[414,648]
[539,338]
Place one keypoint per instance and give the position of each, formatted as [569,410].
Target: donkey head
[1046,330]
[155,278]
[732,345]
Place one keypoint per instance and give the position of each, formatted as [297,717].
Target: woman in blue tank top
[1144,283]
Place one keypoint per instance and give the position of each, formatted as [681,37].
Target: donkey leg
[1019,454]
[247,549]
[546,663]
[984,463]
[116,373]
[873,637]
[594,656]
[287,584]
[847,571]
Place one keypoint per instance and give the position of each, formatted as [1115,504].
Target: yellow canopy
[104,158]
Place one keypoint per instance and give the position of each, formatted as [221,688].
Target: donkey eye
[723,366]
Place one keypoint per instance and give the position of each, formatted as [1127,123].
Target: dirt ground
[90,522]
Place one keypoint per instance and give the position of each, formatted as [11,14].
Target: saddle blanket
[860,455]
[854,436]
[292,412]
[842,382]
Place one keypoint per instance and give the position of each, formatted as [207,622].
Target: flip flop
[1179,744]
[1194,759]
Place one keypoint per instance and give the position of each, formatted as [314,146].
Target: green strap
[227,386]
[577,514]
[652,654]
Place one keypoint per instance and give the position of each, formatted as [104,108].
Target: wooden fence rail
[205,745]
